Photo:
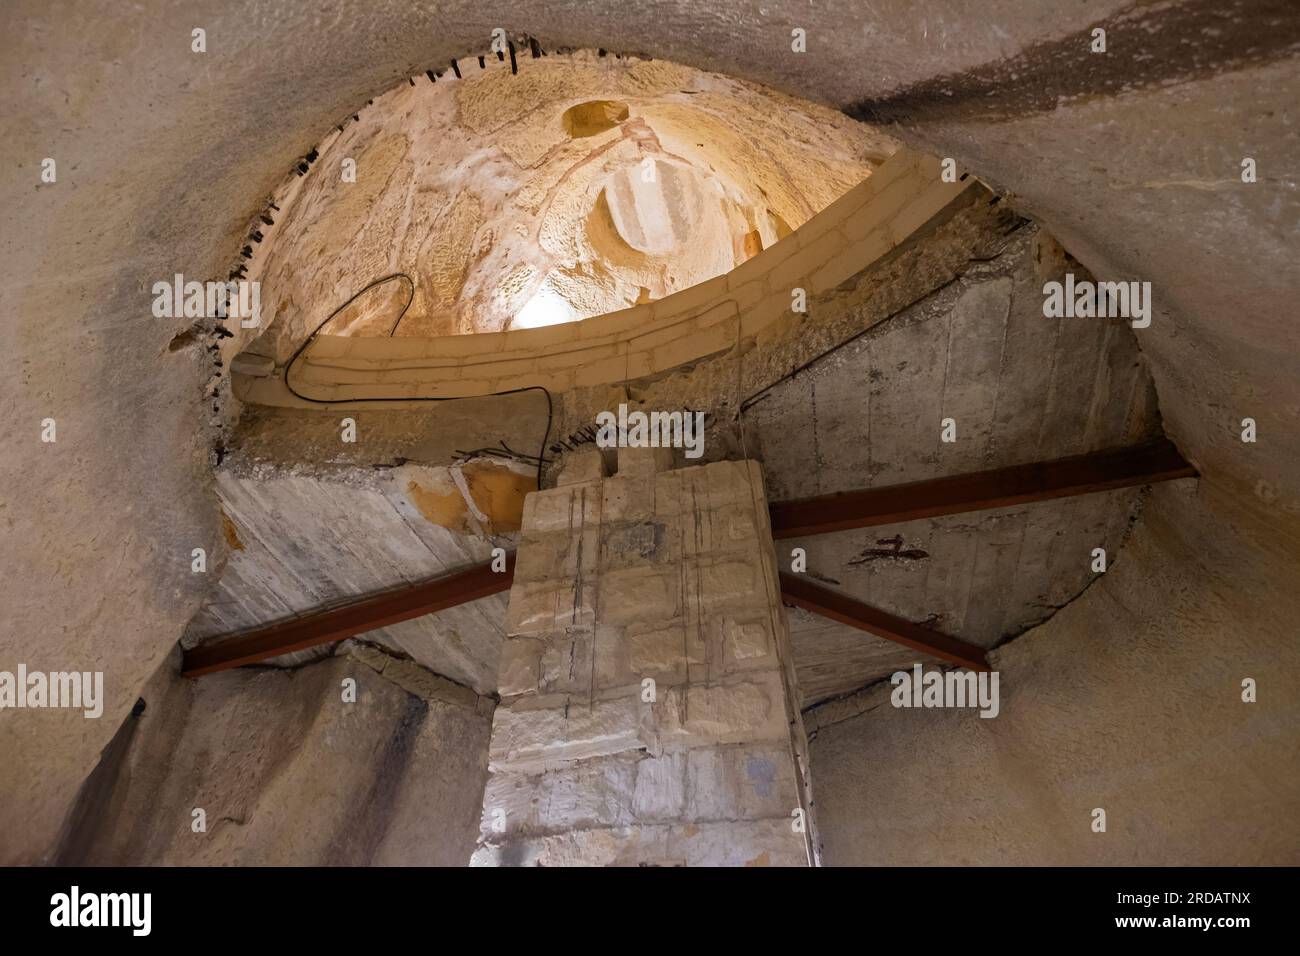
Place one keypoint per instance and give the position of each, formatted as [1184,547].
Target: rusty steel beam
[356,617]
[1041,481]
[801,592]
[1083,474]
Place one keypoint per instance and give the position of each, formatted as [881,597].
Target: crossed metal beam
[1144,464]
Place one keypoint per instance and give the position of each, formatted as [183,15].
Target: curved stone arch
[860,228]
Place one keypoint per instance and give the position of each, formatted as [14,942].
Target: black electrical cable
[550,410]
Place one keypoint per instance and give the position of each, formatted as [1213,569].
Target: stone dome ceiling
[581,185]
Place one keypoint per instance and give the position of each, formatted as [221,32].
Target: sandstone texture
[648,711]
[167,159]
[289,772]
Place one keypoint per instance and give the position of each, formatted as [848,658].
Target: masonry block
[872,246]
[566,662]
[661,574]
[667,497]
[749,294]
[638,594]
[732,582]
[755,320]
[520,666]
[531,734]
[597,792]
[746,640]
[727,783]
[581,466]
[730,484]
[657,650]
[644,462]
[548,555]
[613,666]
[561,509]
[692,299]
[733,528]
[768,842]
[627,499]
[733,712]
[660,792]
[544,607]
[796,270]
[628,545]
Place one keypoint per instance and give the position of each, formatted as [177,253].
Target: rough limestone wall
[310,535]
[661,576]
[97,529]
[290,774]
[1128,700]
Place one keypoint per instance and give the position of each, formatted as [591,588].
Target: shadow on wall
[283,767]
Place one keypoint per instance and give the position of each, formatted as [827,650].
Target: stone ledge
[416,679]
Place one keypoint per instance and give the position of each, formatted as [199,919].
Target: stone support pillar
[648,710]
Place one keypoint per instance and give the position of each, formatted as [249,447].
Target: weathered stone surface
[520,666]
[613,666]
[574,796]
[631,545]
[566,663]
[307,536]
[730,483]
[1019,392]
[288,773]
[747,782]
[628,499]
[561,509]
[736,527]
[1163,220]
[628,778]
[727,583]
[639,593]
[658,650]
[418,143]
[532,733]
[739,710]
[750,843]
[644,462]
[583,465]
[746,640]
[981,787]
[415,679]
[550,605]
[544,555]
[660,787]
